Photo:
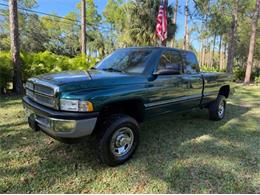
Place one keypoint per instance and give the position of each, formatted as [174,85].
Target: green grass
[177,153]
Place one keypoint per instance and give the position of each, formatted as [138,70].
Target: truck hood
[79,79]
[78,76]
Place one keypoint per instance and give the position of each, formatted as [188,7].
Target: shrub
[208,69]
[257,79]
[36,63]
[239,73]
[255,73]
[82,62]
[40,63]
[46,62]
[5,70]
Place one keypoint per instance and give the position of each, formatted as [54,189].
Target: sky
[62,7]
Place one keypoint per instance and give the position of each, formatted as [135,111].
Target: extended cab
[126,88]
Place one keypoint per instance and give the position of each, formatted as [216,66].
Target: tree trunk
[203,57]
[174,21]
[232,38]
[186,36]
[219,52]
[213,50]
[207,57]
[200,54]
[205,41]
[225,54]
[15,47]
[252,44]
[83,26]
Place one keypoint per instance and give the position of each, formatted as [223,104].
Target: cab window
[191,65]
[170,60]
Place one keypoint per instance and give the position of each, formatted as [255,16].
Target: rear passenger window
[191,65]
[170,60]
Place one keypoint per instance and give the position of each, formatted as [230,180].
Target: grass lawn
[177,153]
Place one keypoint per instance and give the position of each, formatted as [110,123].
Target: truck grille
[42,92]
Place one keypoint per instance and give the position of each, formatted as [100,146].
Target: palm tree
[140,20]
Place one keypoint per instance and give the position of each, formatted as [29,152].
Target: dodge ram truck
[126,88]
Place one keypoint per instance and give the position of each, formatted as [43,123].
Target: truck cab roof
[158,48]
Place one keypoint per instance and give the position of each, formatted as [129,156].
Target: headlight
[76,105]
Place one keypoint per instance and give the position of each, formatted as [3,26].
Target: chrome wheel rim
[221,109]
[122,141]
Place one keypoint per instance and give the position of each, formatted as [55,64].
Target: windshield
[126,60]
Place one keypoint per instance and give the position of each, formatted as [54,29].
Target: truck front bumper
[59,124]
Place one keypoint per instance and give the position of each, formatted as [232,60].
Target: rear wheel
[118,140]
[217,108]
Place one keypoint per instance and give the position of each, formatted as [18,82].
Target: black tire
[111,127]
[217,108]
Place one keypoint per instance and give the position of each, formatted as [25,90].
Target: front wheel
[119,139]
[217,108]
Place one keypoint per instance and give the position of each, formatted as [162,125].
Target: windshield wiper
[112,70]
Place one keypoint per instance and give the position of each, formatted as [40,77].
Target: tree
[115,22]
[203,10]
[4,30]
[83,26]
[90,17]
[113,13]
[53,29]
[252,43]
[70,35]
[232,38]
[174,20]
[138,25]
[33,34]
[97,42]
[15,46]
[186,32]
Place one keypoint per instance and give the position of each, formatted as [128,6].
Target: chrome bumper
[76,127]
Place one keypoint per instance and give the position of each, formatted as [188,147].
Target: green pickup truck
[126,88]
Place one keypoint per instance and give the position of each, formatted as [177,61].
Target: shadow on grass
[170,149]
[52,164]
[10,103]
[12,125]
[202,156]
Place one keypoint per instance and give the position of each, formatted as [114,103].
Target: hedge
[39,63]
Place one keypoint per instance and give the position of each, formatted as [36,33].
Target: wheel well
[224,90]
[133,108]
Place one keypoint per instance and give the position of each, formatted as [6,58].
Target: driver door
[167,89]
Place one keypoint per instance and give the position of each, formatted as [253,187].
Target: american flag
[161,26]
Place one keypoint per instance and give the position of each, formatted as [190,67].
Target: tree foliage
[132,23]
[136,26]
